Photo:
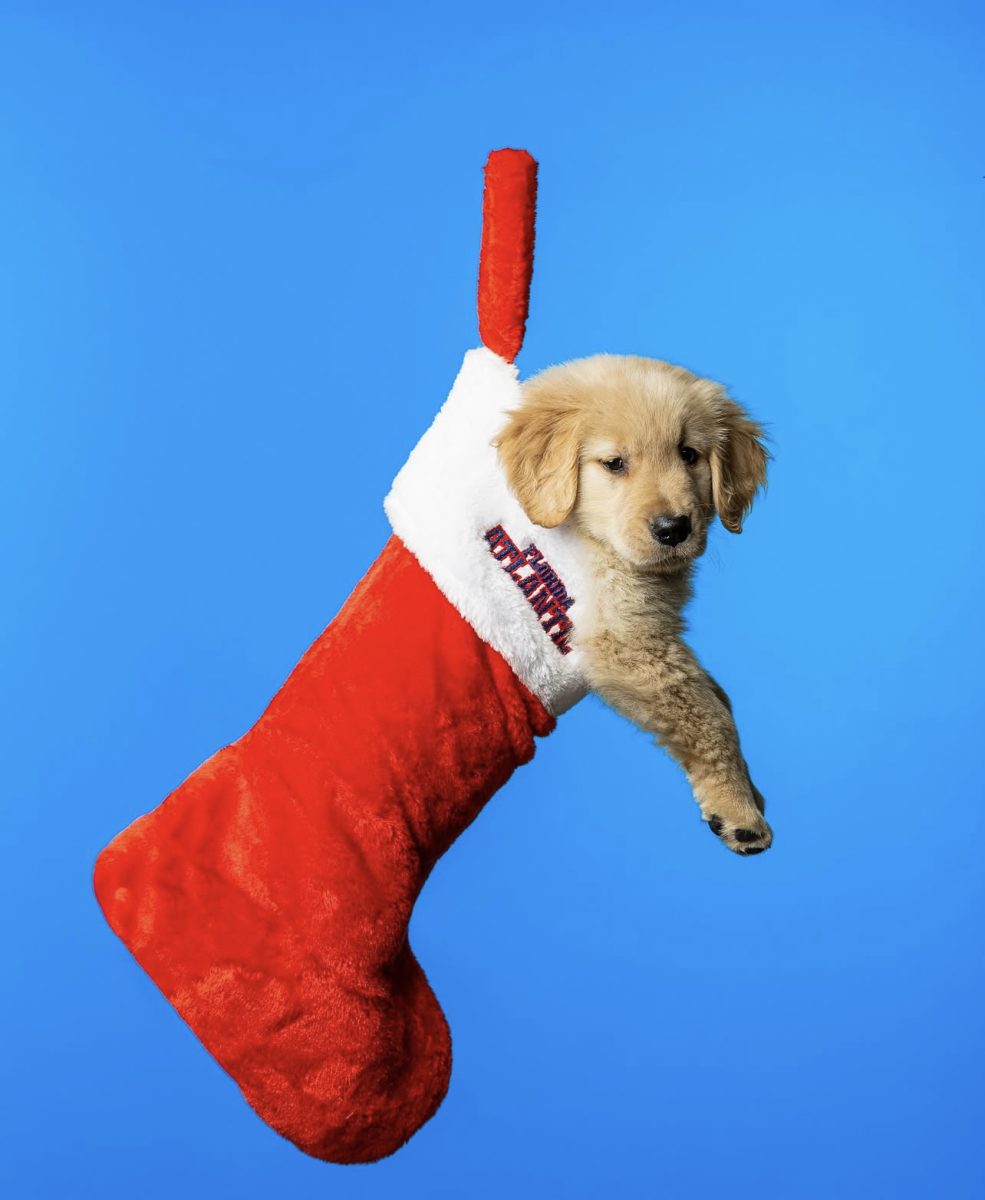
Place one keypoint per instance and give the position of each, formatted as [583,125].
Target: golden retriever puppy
[639,456]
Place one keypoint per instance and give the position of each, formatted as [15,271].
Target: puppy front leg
[667,693]
[723,696]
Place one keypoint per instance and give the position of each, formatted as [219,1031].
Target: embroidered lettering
[538,581]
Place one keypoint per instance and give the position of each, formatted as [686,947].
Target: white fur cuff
[522,588]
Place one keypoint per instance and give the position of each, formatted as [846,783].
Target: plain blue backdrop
[238,273]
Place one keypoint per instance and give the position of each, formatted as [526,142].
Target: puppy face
[637,453]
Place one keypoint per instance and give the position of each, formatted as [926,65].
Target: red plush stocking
[269,895]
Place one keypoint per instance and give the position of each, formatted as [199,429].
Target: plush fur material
[269,895]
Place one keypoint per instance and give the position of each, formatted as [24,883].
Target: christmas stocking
[269,895]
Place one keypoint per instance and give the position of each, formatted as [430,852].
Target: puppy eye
[690,456]
[615,465]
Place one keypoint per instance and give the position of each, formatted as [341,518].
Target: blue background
[239,256]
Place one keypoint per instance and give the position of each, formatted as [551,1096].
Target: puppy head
[636,453]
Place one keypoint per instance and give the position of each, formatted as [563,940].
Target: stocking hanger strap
[506,260]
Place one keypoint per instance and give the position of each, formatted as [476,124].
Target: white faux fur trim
[450,494]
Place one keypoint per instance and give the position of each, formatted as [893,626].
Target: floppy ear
[539,448]
[738,464]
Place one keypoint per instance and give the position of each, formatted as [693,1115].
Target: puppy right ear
[738,463]
[539,449]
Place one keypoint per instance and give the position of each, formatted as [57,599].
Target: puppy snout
[671,531]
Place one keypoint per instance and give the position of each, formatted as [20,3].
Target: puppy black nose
[671,531]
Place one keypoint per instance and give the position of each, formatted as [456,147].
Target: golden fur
[676,446]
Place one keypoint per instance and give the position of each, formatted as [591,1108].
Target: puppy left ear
[538,448]
[738,464]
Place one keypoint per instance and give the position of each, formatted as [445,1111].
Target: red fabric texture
[268,896]
[506,260]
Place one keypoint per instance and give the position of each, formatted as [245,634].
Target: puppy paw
[749,836]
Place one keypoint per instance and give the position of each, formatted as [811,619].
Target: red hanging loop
[506,260]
